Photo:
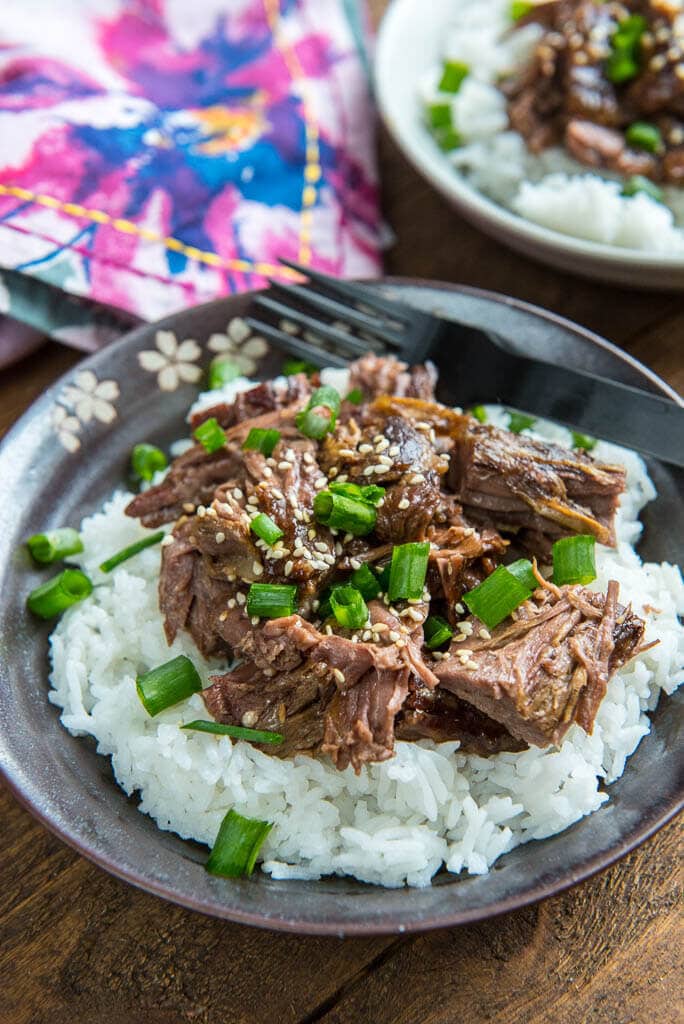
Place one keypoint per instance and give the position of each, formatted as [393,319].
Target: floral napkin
[160,153]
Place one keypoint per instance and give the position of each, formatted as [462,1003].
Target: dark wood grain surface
[80,947]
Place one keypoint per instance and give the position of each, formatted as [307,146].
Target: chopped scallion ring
[518,421]
[644,136]
[260,440]
[408,570]
[312,421]
[583,441]
[355,396]
[624,59]
[210,435]
[495,598]
[366,582]
[54,545]
[479,412]
[168,684]
[236,732]
[237,846]
[340,512]
[59,593]
[293,366]
[439,115]
[271,600]
[454,74]
[370,493]
[523,572]
[146,460]
[574,560]
[638,183]
[349,607]
[265,528]
[132,549]
[437,632]
[222,371]
[520,8]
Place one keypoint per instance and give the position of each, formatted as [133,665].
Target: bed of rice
[396,823]
[551,189]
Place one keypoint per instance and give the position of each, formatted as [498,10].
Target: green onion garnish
[573,560]
[583,441]
[132,549]
[314,423]
[210,435]
[237,846]
[146,460]
[453,75]
[623,62]
[644,136]
[260,440]
[637,183]
[518,421]
[237,732]
[384,577]
[340,512]
[439,115]
[495,598]
[349,607]
[479,412]
[448,139]
[293,366]
[408,570]
[54,545]
[168,684]
[222,371]
[436,632]
[520,8]
[355,396]
[366,582]
[370,493]
[265,528]
[271,600]
[59,593]
[523,572]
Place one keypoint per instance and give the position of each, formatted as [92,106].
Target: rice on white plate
[551,188]
[397,822]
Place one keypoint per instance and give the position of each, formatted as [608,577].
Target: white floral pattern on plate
[90,398]
[67,428]
[173,362]
[240,346]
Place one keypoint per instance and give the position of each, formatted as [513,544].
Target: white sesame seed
[231,603]
[459,638]
[254,620]
[223,616]
[320,565]
[278,494]
[252,500]
[346,453]
[240,598]
[355,563]
[332,473]
[268,472]
[289,566]
[416,478]
[188,507]
[237,493]
[414,614]
[382,444]
[311,534]
[394,450]
[380,627]
[365,449]
[339,675]
[308,458]
[328,630]
[467,628]
[201,511]
[320,483]
[369,470]
[338,549]
[393,635]
[484,634]
[285,465]
[257,568]
[220,537]
[342,478]
[378,438]
[299,551]
[319,545]
[385,460]
[404,504]
[471,664]
[168,539]
[459,608]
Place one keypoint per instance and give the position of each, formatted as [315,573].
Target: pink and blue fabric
[159,153]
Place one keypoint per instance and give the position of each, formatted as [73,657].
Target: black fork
[329,322]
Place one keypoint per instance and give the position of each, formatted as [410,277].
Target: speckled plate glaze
[67,454]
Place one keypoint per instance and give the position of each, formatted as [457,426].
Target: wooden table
[79,947]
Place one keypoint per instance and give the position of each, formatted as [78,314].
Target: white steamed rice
[552,188]
[397,822]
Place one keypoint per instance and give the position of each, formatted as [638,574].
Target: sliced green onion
[146,460]
[222,371]
[349,607]
[520,8]
[237,732]
[168,684]
[384,577]
[573,560]
[371,493]
[314,424]
[408,570]
[480,413]
[293,366]
[132,549]
[265,528]
[59,593]
[518,421]
[524,573]
[623,62]
[237,846]
[436,632]
[54,545]
[439,115]
[448,139]
[366,582]
[637,183]
[453,75]
[210,435]
[342,513]
[324,610]
[271,600]
[495,598]
[355,396]
[583,441]
[644,136]
[260,440]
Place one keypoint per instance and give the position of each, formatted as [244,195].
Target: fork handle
[596,406]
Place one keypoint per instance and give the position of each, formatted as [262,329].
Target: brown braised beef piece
[517,483]
[344,693]
[565,94]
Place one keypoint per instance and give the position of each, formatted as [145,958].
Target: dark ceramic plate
[62,460]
